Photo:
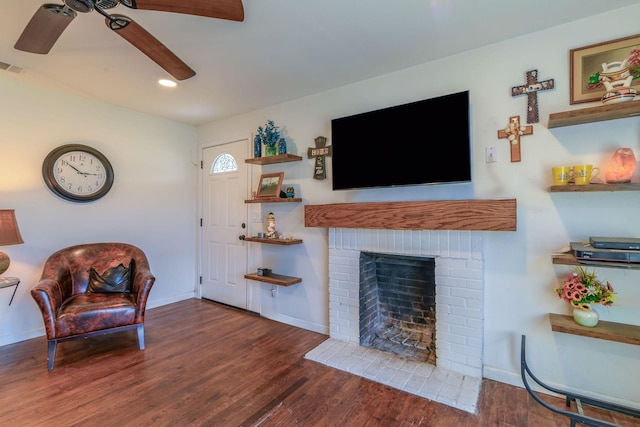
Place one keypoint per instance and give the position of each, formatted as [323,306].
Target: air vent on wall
[10,68]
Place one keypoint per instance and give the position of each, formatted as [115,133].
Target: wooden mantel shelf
[476,215]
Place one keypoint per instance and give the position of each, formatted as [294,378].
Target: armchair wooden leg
[51,356]
[141,336]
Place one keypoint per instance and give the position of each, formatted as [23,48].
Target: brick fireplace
[450,233]
[458,281]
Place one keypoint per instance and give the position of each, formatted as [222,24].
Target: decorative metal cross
[512,133]
[319,152]
[532,88]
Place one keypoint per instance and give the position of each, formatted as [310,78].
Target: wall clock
[77,173]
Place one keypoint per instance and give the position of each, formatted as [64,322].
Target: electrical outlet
[491,154]
[274,291]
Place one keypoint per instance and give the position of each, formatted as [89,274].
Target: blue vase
[282,146]
[257,147]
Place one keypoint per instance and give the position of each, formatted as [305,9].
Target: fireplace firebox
[397,305]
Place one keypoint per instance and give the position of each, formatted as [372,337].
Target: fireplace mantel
[476,214]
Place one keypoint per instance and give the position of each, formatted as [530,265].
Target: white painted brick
[340,322]
[465,273]
[453,338]
[475,303]
[453,263]
[463,331]
[474,264]
[459,286]
[468,351]
[350,302]
[474,284]
[443,290]
[335,307]
[451,301]
[474,343]
[338,275]
[452,282]
[337,292]
[466,293]
[474,361]
[447,319]
[466,312]
[474,323]
[465,369]
[349,315]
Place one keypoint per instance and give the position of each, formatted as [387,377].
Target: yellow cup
[583,174]
[561,175]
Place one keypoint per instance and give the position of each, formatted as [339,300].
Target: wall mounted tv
[423,142]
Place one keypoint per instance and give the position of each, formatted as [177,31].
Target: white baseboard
[22,336]
[170,300]
[515,379]
[310,326]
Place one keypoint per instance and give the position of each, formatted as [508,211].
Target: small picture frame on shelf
[586,64]
[270,185]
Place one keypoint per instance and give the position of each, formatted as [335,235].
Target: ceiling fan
[50,20]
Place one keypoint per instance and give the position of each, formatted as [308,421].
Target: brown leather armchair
[74,305]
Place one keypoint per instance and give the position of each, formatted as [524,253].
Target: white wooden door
[224,220]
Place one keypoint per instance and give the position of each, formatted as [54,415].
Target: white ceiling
[284,49]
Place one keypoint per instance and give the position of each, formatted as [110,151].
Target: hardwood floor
[208,365]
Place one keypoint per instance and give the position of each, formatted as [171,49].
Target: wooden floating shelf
[274,200]
[630,186]
[283,242]
[274,279]
[279,158]
[610,331]
[594,114]
[569,259]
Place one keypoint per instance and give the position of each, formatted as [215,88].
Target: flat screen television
[423,142]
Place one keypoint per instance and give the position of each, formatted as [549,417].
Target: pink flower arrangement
[634,63]
[581,288]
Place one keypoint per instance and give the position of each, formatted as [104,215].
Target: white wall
[151,203]
[519,277]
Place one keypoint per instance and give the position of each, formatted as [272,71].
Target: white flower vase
[586,318]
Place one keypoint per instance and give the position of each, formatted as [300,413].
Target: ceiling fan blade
[222,9]
[150,46]
[44,28]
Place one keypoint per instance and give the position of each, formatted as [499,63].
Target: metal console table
[7,282]
[575,417]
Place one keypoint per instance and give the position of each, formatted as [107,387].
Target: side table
[7,282]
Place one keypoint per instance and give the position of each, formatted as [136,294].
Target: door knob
[241,237]
[243,225]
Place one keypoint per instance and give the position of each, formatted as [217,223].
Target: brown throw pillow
[113,280]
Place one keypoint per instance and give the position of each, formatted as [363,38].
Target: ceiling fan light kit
[50,21]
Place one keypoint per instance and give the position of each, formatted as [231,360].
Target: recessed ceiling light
[167,83]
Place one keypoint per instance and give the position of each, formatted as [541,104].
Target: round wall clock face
[77,173]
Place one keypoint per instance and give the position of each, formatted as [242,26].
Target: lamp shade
[9,235]
[9,232]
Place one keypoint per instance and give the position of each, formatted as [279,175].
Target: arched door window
[224,163]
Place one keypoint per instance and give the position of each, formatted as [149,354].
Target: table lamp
[9,235]
[622,166]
